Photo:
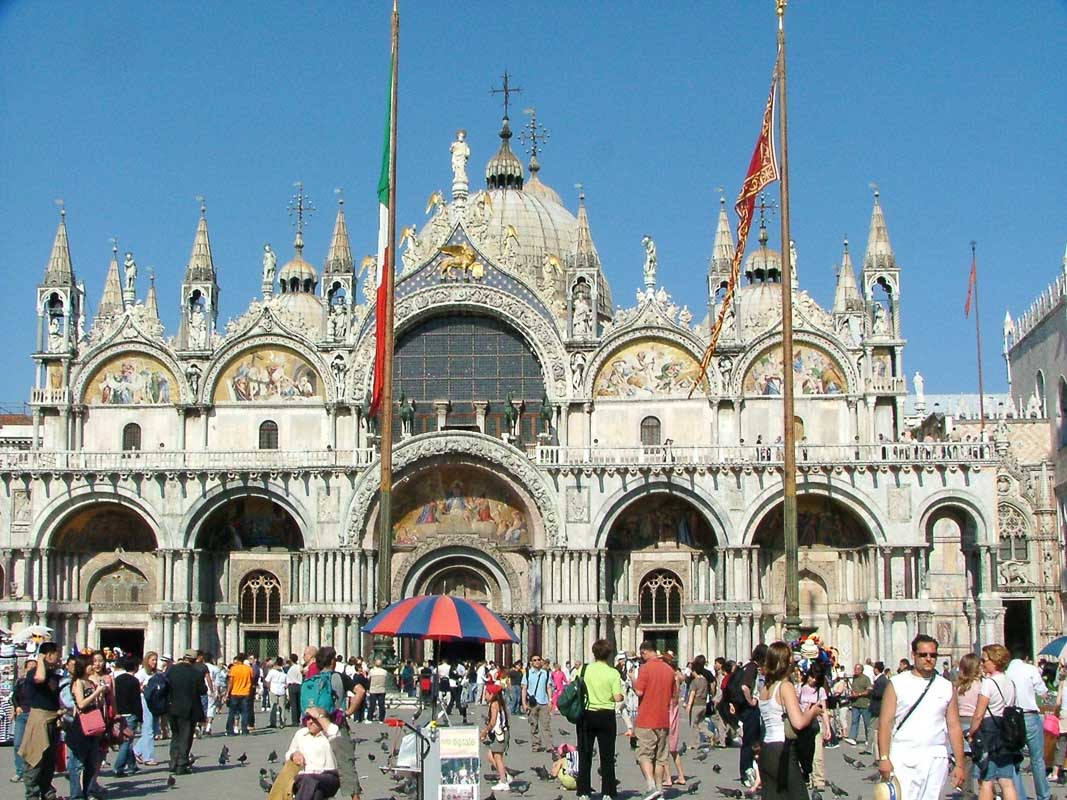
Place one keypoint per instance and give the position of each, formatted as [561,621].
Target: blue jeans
[854,728]
[82,776]
[515,694]
[239,707]
[125,760]
[146,744]
[18,732]
[1035,744]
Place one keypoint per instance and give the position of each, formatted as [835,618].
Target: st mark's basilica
[558,456]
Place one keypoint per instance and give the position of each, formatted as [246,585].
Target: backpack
[318,691]
[574,699]
[733,692]
[157,694]
[1012,727]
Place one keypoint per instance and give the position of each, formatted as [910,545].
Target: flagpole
[789,467]
[385,502]
[978,338]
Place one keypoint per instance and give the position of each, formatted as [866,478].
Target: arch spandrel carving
[476,447]
[449,546]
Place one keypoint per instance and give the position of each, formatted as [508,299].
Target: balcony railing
[49,397]
[173,460]
[888,385]
[888,452]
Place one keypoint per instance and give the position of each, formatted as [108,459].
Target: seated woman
[310,750]
[565,766]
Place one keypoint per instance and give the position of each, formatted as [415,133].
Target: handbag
[1051,724]
[92,722]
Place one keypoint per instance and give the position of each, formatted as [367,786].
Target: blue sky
[129,110]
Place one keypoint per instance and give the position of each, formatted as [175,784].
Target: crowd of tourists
[106,713]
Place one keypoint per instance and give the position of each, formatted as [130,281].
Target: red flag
[762,171]
[971,283]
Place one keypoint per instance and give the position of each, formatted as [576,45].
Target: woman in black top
[86,751]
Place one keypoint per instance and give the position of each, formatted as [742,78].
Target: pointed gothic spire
[847,293]
[339,256]
[722,252]
[111,302]
[586,255]
[59,270]
[201,265]
[879,251]
[150,301]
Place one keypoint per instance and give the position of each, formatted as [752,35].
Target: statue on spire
[461,153]
[130,270]
[651,261]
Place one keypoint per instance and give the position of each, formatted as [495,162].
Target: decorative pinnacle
[62,207]
[722,196]
[114,245]
[300,206]
[340,192]
[506,91]
[874,188]
[533,134]
[203,205]
[581,192]
[846,242]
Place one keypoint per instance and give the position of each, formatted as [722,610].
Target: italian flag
[385,255]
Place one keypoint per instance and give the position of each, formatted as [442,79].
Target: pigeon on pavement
[171,782]
[241,759]
[224,755]
[273,757]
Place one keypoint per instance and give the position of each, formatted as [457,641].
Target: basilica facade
[558,456]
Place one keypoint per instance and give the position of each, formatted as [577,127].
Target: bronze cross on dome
[506,91]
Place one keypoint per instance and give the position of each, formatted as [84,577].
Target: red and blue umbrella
[442,618]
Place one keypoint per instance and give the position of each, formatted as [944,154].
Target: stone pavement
[234,781]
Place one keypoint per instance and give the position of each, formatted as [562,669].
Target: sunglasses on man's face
[926,655]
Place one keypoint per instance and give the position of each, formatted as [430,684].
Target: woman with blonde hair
[967,684]
[995,694]
[779,767]
[145,749]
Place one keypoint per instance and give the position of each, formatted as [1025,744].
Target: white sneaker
[501,787]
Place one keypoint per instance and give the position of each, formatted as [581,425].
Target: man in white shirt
[919,715]
[1028,686]
[277,682]
[294,676]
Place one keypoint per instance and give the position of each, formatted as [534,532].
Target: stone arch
[214,500]
[411,575]
[229,353]
[714,514]
[52,518]
[854,501]
[538,329]
[614,344]
[131,587]
[80,383]
[969,507]
[473,449]
[814,596]
[773,339]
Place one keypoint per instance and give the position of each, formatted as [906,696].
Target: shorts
[500,745]
[993,771]
[652,744]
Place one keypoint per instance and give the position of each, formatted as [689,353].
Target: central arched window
[661,598]
[651,433]
[261,599]
[467,360]
[131,436]
[268,435]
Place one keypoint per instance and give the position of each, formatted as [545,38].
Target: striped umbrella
[1057,648]
[442,618]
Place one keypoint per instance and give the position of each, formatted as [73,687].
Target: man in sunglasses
[919,714]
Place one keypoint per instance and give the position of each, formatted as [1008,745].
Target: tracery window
[661,598]
[651,432]
[268,435]
[1014,535]
[261,599]
[131,436]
